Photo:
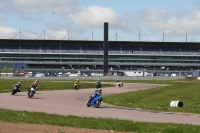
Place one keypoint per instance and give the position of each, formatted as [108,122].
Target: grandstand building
[88,55]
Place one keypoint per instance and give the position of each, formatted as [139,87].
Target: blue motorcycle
[96,101]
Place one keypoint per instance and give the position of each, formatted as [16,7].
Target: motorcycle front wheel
[13,93]
[30,95]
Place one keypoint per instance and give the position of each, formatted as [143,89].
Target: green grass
[95,123]
[188,91]
[158,99]
[43,85]
[7,70]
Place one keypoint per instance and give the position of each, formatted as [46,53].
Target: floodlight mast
[41,35]
[18,34]
[66,35]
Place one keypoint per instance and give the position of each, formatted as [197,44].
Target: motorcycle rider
[76,83]
[18,86]
[98,91]
[98,84]
[34,85]
[119,82]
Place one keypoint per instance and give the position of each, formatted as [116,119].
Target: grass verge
[95,123]
[43,85]
[158,99]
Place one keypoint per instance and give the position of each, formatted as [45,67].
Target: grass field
[153,99]
[6,85]
[187,91]
[7,70]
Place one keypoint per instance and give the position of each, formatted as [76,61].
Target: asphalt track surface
[73,102]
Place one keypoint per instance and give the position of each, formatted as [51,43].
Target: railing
[130,52]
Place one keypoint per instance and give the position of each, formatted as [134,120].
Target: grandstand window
[48,55]
[7,55]
[39,55]
[57,56]
[154,57]
[27,55]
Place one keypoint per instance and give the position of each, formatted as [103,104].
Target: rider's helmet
[76,79]
[35,83]
[98,80]
[18,83]
[36,80]
[99,90]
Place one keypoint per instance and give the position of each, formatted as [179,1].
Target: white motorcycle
[120,84]
[31,92]
[14,90]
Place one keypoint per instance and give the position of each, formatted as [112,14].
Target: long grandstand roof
[93,42]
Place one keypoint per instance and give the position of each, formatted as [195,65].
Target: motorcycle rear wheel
[98,102]
[75,87]
[88,104]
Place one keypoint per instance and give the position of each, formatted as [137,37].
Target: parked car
[39,74]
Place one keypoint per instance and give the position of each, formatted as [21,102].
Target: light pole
[186,75]
[186,72]
[6,71]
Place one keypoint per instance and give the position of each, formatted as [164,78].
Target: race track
[72,102]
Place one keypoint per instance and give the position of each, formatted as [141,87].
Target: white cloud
[2,18]
[91,17]
[36,6]
[163,20]
[95,16]
[29,34]
[25,3]
[57,34]
[1,7]
[7,32]
[154,22]
[11,33]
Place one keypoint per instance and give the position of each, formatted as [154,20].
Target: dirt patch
[6,127]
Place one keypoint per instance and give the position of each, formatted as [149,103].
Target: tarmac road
[73,102]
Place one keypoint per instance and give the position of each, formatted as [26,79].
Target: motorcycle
[95,102]
[120,84]
[98,85]
[31,92]
[14,90]
[76,86]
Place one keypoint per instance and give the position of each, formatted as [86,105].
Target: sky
[128,20]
